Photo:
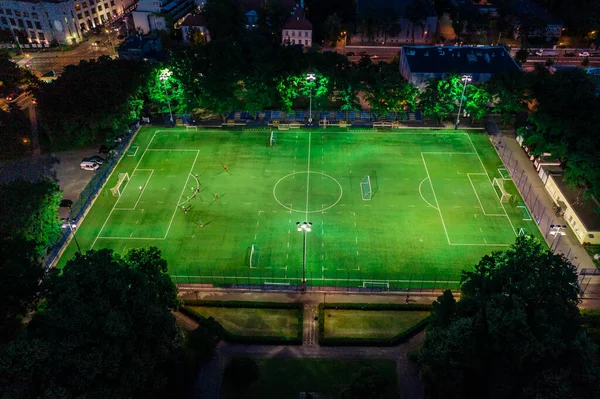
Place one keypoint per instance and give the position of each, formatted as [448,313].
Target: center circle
[323,192]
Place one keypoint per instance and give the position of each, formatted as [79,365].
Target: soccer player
[200,224]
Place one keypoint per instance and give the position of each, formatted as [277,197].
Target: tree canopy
[515,333]
[106,331]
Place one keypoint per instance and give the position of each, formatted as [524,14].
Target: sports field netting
[206,198]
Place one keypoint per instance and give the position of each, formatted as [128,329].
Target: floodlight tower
[165,74]
[466,79]
[310,78]
[306,228]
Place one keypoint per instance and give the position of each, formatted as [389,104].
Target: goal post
[366,190]
[254,255]
[272,139]
[504,196]
[116,190]
[283,126]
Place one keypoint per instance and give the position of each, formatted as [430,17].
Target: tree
[106,331]
[92,101]
[516,332]
[204,339]
[166,92]
[440,97]
[16,131]
[416,13]
[367,383]
[476,101]
[387,91]
[509,93]
[333,29]
[197,37]
[29,212]
[294,86]
[20,276]
[521,56]
[11,75]
[241,372]
[224,19]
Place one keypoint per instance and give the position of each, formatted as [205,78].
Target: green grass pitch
[433,210]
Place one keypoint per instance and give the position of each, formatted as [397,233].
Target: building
[297,30]
[39,23]
[421,63]
[193,23]
[154,15]
[409,29]
[146,48]
[577,210]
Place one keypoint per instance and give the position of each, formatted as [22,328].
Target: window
[96,20]
[79,16]
[1,10]
[99,7]
[21,24]
[4,21]
[293,33]
[306,34]
[29,24]
[34,15]
[17,13]
[12,21]
[8,12]
[112,3]
[25,14]
[105,5]
[84,4]
[38,25]
[94,10]
[32,35]
[306,41]
[41,35]
[86,13]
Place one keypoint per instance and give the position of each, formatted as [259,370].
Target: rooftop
[297,23]
[194,20]
[585,208]
[399,6]
[466,59]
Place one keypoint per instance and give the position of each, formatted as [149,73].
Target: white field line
[448,152]
[421,194]
[484,245]
[134,154]
[490,180]
[478,200]
[182,190]
[308,176]
[115,204]
[130,238]
[329,279]
[436,200]
[143,189]
[170,149]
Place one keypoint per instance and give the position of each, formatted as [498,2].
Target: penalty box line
[141,193]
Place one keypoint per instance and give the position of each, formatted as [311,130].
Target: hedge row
[251,339]
[392,341]
[379,306]
[243,304]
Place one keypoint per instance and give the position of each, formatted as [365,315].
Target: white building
[38,23]
[297,30]
[193,23]
[153,15]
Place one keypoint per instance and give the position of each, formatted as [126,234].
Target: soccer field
[426,210]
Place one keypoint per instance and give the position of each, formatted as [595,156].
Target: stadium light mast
[304,227]
[165,74]
[466,79]
[310,78]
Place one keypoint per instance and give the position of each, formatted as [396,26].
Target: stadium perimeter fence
[544,217]
[86,198]
[270,279]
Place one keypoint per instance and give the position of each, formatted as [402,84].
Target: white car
[89,165]
[66,223]
[584,54]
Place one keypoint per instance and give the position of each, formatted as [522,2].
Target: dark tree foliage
[11,75]
[91,101]
[204,339]
[224,19]
[29,212]
[241,372]
[16,131]
[106,332]
[367,383]
[21,274]
[516,332]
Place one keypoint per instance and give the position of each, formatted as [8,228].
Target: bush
[204,339]
[241,372]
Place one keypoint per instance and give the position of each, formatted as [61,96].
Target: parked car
[595,54]
[96,158]
[13,94]
[104,149]
[89,165]
[66,223]
[569,54]
[362,54]
[375,57]
[349,53]
[66,203]
[584,54]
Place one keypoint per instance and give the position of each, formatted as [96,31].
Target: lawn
[286,378]
[369,323]
[254,322]
[222,205]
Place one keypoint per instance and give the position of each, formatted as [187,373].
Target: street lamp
[165,74]
[310,78]
[466,79]
[304,227]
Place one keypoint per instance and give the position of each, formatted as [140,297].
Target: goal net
[116,190]
[365,188]
[254,255]
[272,139]
[283,126]
[504,196]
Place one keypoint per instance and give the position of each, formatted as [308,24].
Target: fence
[340,281]
[86,198]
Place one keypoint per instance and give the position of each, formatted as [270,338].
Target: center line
[307,177]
